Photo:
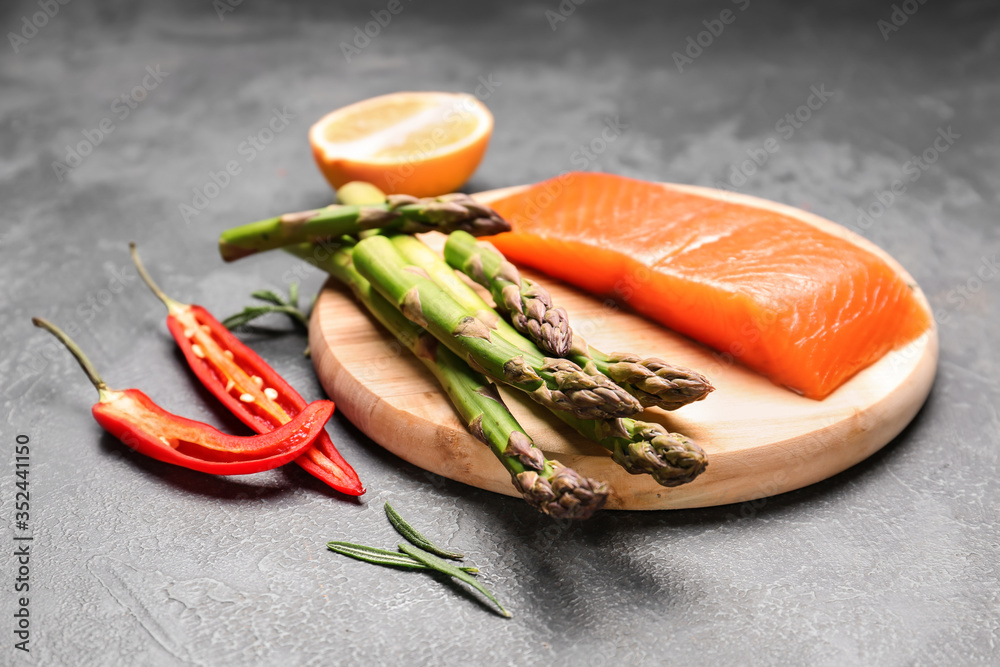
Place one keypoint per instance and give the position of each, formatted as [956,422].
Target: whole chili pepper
[133,417]
[246,384]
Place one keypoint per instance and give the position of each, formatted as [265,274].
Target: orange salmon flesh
[801,306]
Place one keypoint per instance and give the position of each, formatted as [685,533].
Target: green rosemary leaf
[249,314]
[269,296]
[382,556]
[415,537]
[444,567]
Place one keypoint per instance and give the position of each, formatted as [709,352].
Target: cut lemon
[420,144]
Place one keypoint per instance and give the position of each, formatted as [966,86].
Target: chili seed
[228,353]
[270,393]
[257,380]
[230,385]
[198,352]
[246,398]
[205,328]
[188,333]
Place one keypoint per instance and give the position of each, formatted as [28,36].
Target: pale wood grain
[761,439]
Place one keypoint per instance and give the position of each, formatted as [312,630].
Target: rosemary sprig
[443,566]
[276,304]
[382,556]
[414,537]
[420,555]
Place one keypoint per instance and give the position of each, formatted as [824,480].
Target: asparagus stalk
[653,381]
[558,384]
[526,303]
[400,213]
[359,193]
[417,253]
[639,447]
[547,485]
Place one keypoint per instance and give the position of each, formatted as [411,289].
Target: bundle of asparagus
[461,340]
[547,485]
[558,384]
[639,447]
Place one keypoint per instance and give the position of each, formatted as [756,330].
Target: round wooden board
[761,439]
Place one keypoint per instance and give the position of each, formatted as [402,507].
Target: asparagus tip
[565,495]
[670,458]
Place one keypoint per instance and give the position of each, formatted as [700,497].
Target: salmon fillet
[803,307]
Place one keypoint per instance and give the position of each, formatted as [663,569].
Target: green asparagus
[639,447]
[526,303]
[558,384]
[400,213]
[653,381]
[546,485]
[647,448]
[359,193]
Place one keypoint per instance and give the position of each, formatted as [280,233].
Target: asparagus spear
[653,381]
[558,384]
[359,193]
[639,447]
[527,304]
[401,213]
[546,485]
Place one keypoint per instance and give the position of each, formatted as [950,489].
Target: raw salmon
[803,307]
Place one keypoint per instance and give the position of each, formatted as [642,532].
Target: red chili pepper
[133,417]
[245,384]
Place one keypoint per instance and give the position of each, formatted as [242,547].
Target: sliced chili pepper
[133,417]
[246,384]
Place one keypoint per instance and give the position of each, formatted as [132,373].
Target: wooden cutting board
[761,440]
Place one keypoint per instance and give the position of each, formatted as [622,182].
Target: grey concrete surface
[136,563]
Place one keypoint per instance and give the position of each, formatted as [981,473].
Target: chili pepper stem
[81,358]
[173,306]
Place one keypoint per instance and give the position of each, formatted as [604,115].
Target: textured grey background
[892,562]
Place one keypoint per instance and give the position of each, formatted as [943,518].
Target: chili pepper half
[246,384]
[133,417]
